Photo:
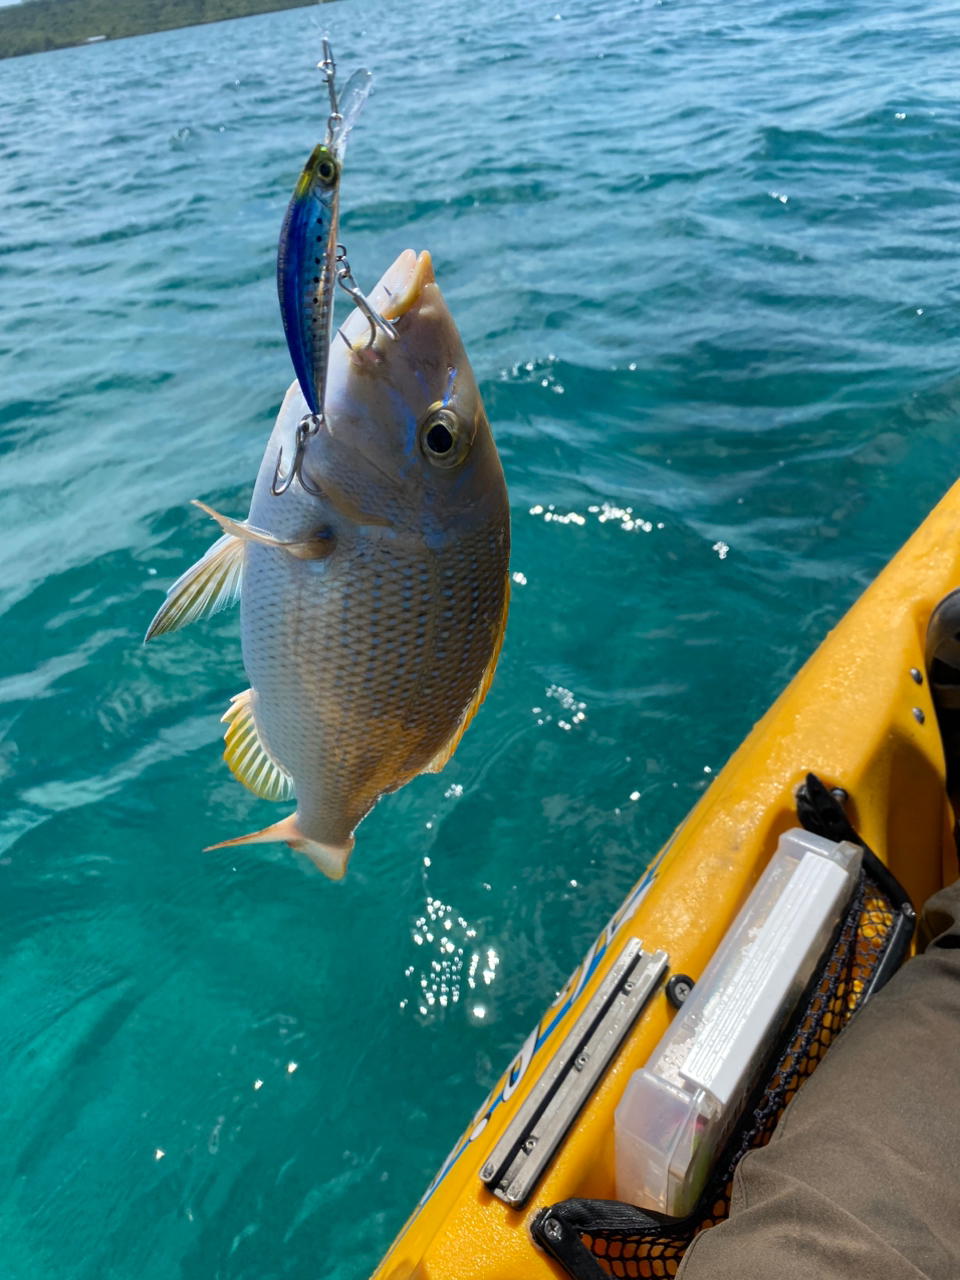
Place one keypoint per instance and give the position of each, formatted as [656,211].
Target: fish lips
[398,289]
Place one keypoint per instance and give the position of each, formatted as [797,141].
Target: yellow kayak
[859,715]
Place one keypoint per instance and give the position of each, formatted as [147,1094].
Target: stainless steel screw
[552,1229]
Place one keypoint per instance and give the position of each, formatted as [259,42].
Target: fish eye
[443,439]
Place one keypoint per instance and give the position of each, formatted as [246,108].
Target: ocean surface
[704,260]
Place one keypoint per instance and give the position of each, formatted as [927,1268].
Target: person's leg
[862,1177]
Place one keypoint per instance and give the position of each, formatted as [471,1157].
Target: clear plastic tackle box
[678,1110]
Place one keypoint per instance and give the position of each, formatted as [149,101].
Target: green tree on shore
[38,25]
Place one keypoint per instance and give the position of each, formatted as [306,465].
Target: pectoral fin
[248,758]
[206,588]
[330,858]
[447,750]
[307,549]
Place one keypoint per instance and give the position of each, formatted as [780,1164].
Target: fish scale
[333,658]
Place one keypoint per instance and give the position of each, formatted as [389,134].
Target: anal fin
[248,758]
[449,747]
[206,588]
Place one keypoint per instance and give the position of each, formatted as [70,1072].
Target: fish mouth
[401,284]
[399,289]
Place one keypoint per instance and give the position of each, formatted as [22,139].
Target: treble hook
[307,426]
[349,286]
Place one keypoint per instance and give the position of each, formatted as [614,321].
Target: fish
[306,254]
[374,591]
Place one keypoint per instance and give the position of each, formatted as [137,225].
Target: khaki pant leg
[862,1178]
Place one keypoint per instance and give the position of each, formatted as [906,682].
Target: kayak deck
[860,716]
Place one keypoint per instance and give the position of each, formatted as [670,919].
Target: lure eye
[324,166]
[443,438]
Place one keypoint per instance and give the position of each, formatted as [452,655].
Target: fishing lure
[307,257]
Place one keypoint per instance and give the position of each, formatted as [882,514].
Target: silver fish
[375,594]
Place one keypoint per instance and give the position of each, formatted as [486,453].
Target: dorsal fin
[447,750]
[246,755]
[206,588]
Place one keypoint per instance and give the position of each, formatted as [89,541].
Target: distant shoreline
[39,26]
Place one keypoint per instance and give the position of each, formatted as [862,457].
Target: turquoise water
[704,261]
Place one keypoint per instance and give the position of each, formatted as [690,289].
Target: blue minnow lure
[307,252]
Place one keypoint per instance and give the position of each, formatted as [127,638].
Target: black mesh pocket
[594,1239]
